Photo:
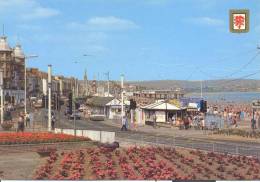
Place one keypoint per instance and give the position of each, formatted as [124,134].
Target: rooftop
[4,44]
[18,52]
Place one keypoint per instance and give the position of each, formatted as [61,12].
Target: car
[97,117]
[67,111]
[76,115]
[82,108]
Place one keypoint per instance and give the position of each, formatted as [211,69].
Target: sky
[142,39]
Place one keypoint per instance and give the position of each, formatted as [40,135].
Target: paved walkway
[190,133]
[161,130]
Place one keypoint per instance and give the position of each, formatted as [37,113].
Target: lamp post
[107,74]
[25,81]
[2,95]
[49,94]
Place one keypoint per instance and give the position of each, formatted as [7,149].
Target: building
[97,105]
[12,62]
[162,111]
[146,97]
[114,108]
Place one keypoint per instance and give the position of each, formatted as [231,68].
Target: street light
[49,98]
[25,78]
[74,98]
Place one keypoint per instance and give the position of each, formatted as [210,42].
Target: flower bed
[7,125]
[35,138]
[147,163]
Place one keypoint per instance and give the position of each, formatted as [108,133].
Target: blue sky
[142,39]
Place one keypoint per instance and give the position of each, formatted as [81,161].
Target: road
[139,137]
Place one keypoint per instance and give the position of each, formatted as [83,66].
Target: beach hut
[97,105]
[162,110]
[114,108]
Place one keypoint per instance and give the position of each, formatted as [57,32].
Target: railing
[220,147]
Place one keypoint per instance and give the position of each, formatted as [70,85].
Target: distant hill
[207,85]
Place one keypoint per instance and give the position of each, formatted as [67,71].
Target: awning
[161,106]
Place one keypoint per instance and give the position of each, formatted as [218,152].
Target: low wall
[100,136]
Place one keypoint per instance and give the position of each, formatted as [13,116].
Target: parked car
[38,103]
[67,111]
[82,108]
[97,117]
[76,115]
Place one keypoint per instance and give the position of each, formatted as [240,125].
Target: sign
[184,101]
[49,85]
[175,102]
[239,21]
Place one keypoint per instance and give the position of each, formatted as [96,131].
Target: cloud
[26,9]
[206,21]
[41,12]
[111,22]
[105,23]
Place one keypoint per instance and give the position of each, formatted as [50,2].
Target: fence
[220,147]
[100,136]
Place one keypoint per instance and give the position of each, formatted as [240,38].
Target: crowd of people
[232,113]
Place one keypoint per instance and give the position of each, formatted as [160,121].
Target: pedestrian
[27,120]
[186,123]
[253,122]
[203,124]
[258,122]
[124,121]
[170,120]
[31,119]
[173,120]
[20,123]
[154,120]
[52,121]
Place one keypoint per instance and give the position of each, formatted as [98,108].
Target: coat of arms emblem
[239,21]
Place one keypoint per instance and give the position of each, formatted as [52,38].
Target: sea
[227,96]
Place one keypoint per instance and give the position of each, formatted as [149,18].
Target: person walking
[31,117]
[173,120]
[154,120]
[186,122]
[258,122]
[27,120]
[124,122]
[20,123]
[53,119]
[203,124]
[253,123]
